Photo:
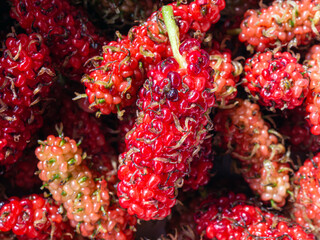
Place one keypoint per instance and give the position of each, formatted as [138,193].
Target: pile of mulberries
[183,120]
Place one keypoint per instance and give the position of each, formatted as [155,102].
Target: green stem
[173,32]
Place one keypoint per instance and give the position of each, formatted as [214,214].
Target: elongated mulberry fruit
[264,160]
[122,68]
[85,128]
[34,217]
[285,23]
[70,36]
[276,80]
[172,123]
[26,76]
[86,199]
[236,217]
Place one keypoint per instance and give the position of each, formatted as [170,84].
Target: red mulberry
[174,103]
[34,217]
[276,79]
[235,217]
[71,37]
[306,209]
[286,23]
[122,67]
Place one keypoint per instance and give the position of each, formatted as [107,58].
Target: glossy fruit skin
[236,217]
[313,103]
[263,159]
[171,124]
[306,195]
[276,80]
[200,167]
[226,74]
[123,66]
[26,76]
[70,36]
[91,133]
[34,217]
[86,198]
[17,126]
[27,70]
[101,161]
[276,25]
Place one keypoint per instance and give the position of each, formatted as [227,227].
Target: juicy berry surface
[171,124]
[276,79]
[235,217]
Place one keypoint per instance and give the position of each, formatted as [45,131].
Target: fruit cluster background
[169,120]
